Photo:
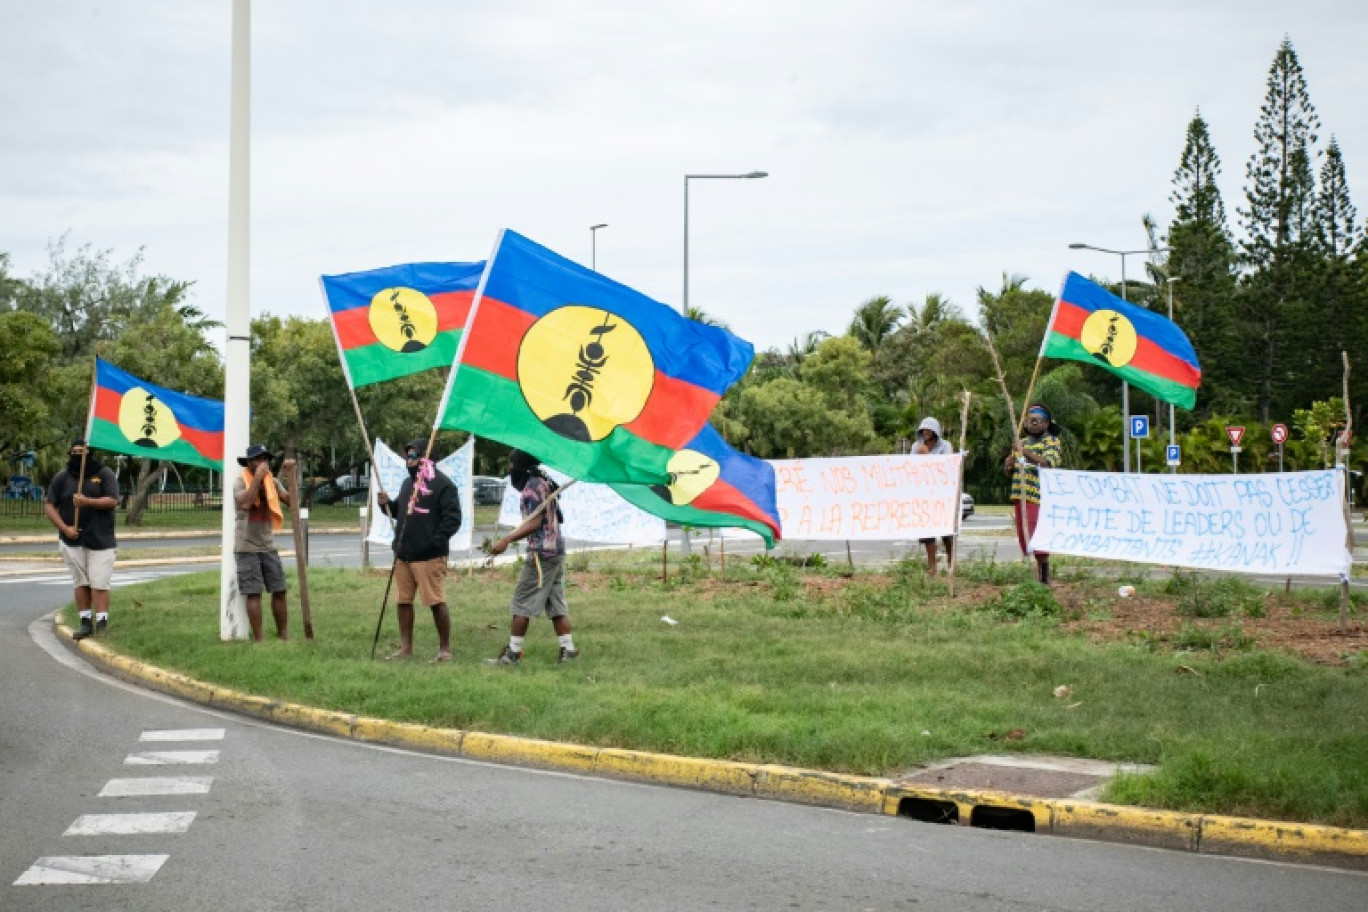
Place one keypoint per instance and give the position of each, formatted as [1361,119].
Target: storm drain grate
[929,811]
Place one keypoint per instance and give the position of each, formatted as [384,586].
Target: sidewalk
[1031,794]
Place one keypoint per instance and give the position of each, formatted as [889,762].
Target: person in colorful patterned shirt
[541,585]
[1040,447]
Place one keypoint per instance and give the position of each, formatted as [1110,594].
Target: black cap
[420,444]
[253,452]
[79,441]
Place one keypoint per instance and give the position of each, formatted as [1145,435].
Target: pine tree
[1203,259]
[1278,193]
[1342,323]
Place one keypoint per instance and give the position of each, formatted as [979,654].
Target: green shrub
[1027,601]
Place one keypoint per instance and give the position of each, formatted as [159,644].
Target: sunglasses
[411,454]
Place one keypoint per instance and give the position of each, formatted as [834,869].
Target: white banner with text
[867,498]
[1285,523]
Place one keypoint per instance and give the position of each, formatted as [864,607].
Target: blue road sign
[1174,454]
[1140,426]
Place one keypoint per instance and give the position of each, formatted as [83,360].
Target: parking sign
[1175,454]
[1140,426]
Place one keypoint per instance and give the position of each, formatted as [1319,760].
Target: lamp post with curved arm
[593,244]
[750,175]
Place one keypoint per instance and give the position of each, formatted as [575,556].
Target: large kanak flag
[591,377]
[1091,324]
[713,485]
[399,320]
[134,417]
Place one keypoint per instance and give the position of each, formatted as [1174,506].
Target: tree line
[1268,310]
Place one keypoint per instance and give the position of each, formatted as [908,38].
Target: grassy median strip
[871,673]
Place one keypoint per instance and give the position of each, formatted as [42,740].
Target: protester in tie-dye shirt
[541,585]
[1040,447]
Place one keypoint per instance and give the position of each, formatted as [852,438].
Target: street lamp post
[752,175]
[1125,387]
[593,244]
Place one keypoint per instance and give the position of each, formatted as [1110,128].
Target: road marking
[171,758]
[156,785]
[183,734]
[92,869]
[131,824]
[126,578]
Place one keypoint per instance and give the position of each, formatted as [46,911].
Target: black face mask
[519,478]
[92,465]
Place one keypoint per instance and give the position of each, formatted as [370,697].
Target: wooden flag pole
[80,478]
[301,552]
[959,490]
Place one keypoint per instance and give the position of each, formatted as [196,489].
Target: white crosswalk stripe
[131,824]
[156,785]
[119,579]
[92,869]
[171,758]
[183,734]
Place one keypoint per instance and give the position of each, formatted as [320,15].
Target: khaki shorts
[427,578]
[530,598]
[89,569]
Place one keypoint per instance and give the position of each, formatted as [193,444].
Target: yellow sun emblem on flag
[1109,336]
[146,421]
[403,319]
[691,473]
[584,371]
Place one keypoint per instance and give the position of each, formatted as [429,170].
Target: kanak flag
[399,320]
[137,418]
[1149,351]
[589,376]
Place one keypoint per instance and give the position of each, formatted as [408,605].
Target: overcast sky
[911,146]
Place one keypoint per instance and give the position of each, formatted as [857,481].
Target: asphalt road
[255,817]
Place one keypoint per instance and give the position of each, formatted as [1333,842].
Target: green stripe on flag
[105,435]
[1058,345]
[488,405]
[376,363]
[642,497]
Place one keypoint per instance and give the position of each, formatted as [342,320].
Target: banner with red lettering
[867,498]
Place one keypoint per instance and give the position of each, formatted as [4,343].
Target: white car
[966,506]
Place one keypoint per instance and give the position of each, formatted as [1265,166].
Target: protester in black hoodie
[421,546]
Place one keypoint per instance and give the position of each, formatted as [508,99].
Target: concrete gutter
[1207,834]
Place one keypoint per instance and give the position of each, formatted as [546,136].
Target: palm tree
[936,308]
[875,320]
[699,315]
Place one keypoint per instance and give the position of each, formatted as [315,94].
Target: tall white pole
[237,380]
[1125,392]
[1171,280]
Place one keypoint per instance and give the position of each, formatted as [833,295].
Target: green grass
[874,675]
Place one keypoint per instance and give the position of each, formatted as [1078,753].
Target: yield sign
[1236,434]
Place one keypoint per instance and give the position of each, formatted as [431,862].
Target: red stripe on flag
[495,337]
[1149,357]
[354,329]
[107,404]
[723,497]
[208,443]
[669,417]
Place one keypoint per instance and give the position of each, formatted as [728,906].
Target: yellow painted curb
[1209,834]
[688,772]
[1284,841]
[1138,826]
[787,783]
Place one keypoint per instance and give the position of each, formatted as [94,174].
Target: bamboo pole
[959,490]
[301,552]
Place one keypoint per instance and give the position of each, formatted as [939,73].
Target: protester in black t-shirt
[81,501]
